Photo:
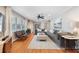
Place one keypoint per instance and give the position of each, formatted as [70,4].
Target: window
[14,23]
[1,24]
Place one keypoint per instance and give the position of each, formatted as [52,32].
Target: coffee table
[42,37]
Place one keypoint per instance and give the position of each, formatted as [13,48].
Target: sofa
[53,37]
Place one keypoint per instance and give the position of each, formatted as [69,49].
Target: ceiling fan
[40,17]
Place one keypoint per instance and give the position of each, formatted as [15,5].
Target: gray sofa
[53,37]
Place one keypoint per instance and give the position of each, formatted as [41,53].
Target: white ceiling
[31,12]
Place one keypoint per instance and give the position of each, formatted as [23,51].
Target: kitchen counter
[68,40]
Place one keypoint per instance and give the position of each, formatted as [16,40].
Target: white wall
[2,10]
[51,25]
[42,25]
[69,18]
[30,25]
[67,24]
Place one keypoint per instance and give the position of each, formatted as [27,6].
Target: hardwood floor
[44,51]
[20,46]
